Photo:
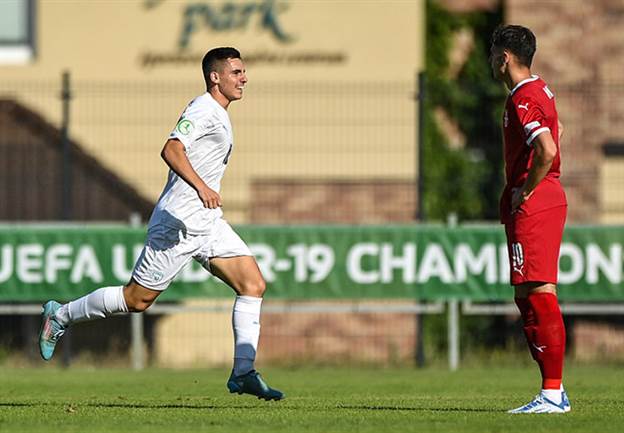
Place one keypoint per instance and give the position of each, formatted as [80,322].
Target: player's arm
[544,153]
[174,155]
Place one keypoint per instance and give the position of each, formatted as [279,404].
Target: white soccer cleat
[541,404]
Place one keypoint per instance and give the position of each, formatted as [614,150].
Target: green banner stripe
[314,262]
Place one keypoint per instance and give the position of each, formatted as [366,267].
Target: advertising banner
[314,262]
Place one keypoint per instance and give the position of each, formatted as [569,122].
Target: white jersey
[206,133]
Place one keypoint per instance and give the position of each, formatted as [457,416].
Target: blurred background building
[329,108]
[329,131]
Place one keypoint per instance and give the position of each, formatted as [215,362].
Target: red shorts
[533,244]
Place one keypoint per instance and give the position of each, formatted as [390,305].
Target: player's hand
[209,197]
[519,196]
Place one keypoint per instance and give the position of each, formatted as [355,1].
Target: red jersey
[529,111]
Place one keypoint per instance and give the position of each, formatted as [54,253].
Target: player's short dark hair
[213,57]
[519,40]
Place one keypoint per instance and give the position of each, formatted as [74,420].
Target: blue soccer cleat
[252,383]
[51,330]
[541,404]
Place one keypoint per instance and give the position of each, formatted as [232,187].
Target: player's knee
[255,288]
[138,306]
[138,298]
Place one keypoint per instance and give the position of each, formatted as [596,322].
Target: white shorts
[167,250]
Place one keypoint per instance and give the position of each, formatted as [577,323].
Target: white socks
[553,395]
[246,325]
[96,305]
[109,300]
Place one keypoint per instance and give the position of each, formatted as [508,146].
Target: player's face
[498,62]
[232,79]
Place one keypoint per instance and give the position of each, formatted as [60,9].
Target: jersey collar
[215,103]
[522,83]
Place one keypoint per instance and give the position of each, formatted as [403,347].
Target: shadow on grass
[416,408]
[228,407]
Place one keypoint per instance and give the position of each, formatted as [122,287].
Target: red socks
[545,334]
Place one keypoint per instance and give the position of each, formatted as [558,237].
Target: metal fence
[315,152]
[305,152]
[341,146]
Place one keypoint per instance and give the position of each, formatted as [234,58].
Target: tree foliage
[465,181]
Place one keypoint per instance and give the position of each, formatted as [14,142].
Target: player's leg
[242,274]
[164,254]
[139,298]
[534,244]
[228,258]
[99,304]
[545,334]
[107,301]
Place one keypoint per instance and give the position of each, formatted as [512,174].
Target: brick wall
[340,201]
[581,55]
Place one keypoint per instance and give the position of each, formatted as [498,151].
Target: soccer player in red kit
[533,208]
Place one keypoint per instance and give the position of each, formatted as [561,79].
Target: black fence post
[421,78]
[66,184]
[66,160]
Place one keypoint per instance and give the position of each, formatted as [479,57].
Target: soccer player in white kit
[187,224]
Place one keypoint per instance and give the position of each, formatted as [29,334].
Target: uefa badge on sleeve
[185,126]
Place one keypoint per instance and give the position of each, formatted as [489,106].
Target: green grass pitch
[318,400]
